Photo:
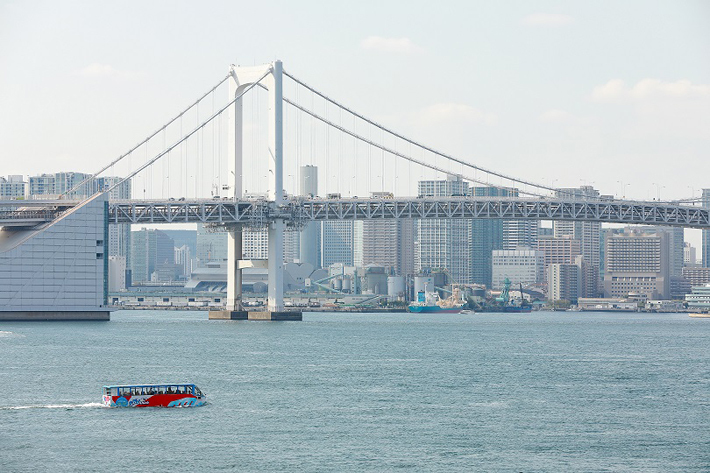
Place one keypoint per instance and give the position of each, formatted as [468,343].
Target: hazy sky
[610,93]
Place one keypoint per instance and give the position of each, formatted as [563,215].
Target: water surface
[363,392]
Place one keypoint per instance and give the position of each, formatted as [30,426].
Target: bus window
[181,389]
[161,389]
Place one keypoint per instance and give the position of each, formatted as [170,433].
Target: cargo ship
[430,302]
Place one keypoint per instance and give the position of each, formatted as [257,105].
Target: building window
[99,256]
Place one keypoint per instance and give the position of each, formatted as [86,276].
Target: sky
[564,93]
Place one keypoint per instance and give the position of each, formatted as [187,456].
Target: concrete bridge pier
[239,78]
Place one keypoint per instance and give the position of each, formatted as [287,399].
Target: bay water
[547,391]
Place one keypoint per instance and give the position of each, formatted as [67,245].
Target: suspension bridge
[234,165]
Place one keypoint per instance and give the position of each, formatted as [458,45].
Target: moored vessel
[430,302]
[153,395]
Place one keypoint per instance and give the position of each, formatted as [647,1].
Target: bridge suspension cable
[151,136]
[194,130]
[397,153]
[415,143]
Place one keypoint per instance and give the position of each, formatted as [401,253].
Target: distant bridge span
[258,213]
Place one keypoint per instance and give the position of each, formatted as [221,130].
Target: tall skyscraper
[444,243]
[486,236]
[338,242]
[388,243]
[588,234]
[150,249]
[310,237]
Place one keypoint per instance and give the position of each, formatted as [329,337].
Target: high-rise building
[562,250]
[150,250]
[183,259]
[637,263]
[564,281]
[444,244]
[705,248]
[310,237]
[486,236]
[520,234]
[211,246]
[388,243]
[41,186]
[338,242]
[689,255]
[13,187]
[588,234]
[521,266]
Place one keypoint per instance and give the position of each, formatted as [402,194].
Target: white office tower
[521,266]
[637,263]
[310,237]
[444,244]
[588,234]
[58,270]
[520,234]
[388,243]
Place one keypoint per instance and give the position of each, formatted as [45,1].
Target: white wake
[52,406]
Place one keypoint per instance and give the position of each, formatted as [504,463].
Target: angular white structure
[57,271]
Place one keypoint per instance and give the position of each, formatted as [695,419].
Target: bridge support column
[240,78]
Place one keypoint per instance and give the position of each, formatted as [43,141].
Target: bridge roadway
[297,211]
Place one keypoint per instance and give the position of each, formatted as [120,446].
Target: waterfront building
[699,298]
[55,272]
[696,275]
[521,266]
[13,187]
[150,250]
[564,281]
[444,244]
[637,263]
